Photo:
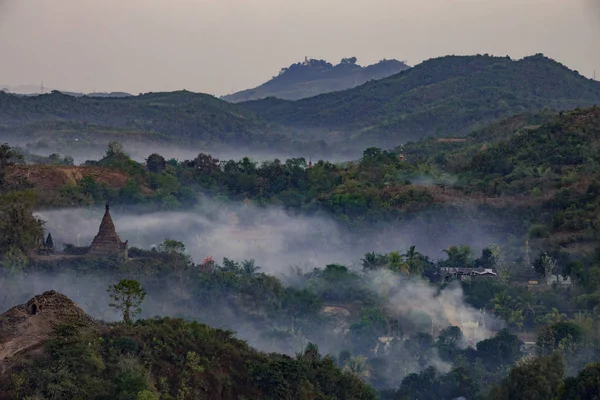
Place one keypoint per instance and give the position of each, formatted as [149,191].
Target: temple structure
[107,242]
[47,246]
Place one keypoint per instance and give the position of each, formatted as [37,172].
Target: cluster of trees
[20,231]
[373,189]
[166,358]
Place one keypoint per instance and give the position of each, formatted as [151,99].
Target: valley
[431,234]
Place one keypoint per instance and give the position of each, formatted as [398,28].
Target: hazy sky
[217,46]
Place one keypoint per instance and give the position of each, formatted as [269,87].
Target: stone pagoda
[107,242]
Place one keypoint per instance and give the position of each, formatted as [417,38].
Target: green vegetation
[173,359]
[177,117]
[127,295]
[181,114]
[552,169]
[397,322]
[443,96]
[170,358]
[20,231]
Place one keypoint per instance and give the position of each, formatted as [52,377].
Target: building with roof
[465,273]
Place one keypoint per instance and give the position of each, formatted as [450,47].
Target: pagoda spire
[107,241]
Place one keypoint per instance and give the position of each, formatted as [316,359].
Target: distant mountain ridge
[32,90]
[314,77]
[450,95]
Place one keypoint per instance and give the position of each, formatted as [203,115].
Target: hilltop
[56,185]
[179,114]
[444,96]
[34,90]
[24,328]
[50,346]
[314,77]
[177,117]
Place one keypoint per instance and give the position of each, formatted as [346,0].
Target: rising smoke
[410,297]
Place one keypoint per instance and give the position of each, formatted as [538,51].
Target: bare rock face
[26,326]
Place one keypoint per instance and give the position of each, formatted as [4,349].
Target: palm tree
[458,256]
[415,266]
[310,353]
[516,318]
[396,262]
[358,366]
[555,317]
[502,303]
[249,268]
[528,303]
[372,261]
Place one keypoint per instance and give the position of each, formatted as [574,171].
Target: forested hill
[443,96]
[60,352]
[314,77]
[181,115]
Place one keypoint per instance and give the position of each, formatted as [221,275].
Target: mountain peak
[313,77]
[449,95]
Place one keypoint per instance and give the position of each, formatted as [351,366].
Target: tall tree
[156,163]
[586,385]
[373,261]
[8,156]
[459,256]
[127,296]
[249,267]
[358,366]
[535,379]
[19,229]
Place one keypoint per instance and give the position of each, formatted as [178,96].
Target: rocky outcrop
[25,327]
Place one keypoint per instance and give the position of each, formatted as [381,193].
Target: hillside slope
[314,77]
[444,96]
[548,160]
[25,327]
[49,348]
[183,116]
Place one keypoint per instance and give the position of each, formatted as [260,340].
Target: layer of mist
[83,149]
[274,238]
[415,304]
